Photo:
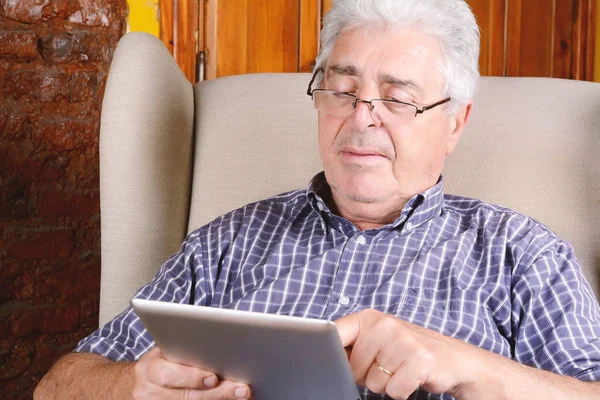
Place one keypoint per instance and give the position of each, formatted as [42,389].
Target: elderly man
[435,296]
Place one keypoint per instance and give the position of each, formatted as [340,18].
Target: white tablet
[280,357]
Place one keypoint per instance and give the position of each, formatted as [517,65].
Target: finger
[403,382]
[168,374]
[226,390]
[378,333]
[376,380]
[348,328]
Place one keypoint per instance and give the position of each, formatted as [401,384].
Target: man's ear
[458,123]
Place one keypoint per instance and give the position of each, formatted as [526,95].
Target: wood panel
[585,54]
[538,33]
[550,38]
[166,23]
[310,26]
[273,35]
[247,36]
[185,47]
[518,37]
[562,39]
[491,15]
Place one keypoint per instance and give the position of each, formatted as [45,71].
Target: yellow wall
[143,16]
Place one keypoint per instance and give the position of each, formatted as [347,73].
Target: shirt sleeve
[556,317]
[179,280]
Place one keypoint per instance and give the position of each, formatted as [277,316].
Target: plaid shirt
[481,273]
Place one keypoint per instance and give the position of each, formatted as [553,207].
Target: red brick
[76,46]
[3,114]
[25,321]
[31,85]
[83,86]
[14,363]
[90,306]
[63,318]
[14,126]
[33,245]
[45,357]
[16,280]
[88,109]
[84,168]
[54,169]
[56,48]
[65,135]
[96,12]
[91,47]
[52,203]
[20,164]
[48,319]
[8,341]
[34,11]
[67,281]
[4,330]
[14,197]
[21,45]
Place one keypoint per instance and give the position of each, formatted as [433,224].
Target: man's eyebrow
[401,83]
[337,69]
[349,70]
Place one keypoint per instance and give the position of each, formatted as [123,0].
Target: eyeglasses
[343,104]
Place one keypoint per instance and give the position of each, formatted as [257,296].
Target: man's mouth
[361,154]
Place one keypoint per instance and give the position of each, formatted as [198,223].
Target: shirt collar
[419,209]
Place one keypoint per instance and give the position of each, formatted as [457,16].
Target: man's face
[368,160]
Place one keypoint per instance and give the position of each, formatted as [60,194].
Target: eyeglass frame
[357,100]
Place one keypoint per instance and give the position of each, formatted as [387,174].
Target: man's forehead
[402,57]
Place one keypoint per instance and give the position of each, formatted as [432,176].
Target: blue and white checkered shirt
[473,271]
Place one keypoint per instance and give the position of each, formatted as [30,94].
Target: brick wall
[54,58]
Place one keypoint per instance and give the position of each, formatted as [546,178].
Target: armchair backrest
[532,144]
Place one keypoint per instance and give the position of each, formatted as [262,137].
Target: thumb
[348,328]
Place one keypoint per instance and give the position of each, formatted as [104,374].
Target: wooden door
[550,38]
[247,36]
[180,26]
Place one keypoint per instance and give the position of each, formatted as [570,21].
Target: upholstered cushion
[146,142]
[532,144]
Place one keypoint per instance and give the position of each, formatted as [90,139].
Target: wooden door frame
[181,33]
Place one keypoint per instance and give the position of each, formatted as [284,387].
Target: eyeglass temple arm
[429,107]
[309,90]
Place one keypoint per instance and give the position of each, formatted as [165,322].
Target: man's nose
[364,114]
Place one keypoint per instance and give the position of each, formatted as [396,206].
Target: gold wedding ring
[383,369]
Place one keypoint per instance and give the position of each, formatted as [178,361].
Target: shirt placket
[348,281]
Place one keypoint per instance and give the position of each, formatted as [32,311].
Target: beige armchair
[174,156]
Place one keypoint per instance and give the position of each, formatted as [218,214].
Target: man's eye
[404,99]
[343,89]
[340,95]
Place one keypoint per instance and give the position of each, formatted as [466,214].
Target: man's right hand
[158,378]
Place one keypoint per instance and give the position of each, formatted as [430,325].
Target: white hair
[450,22]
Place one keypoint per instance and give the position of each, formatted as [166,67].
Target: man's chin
[362,195]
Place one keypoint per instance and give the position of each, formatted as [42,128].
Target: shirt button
[320,206]
[409,225]
[344,300]
[361,239]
